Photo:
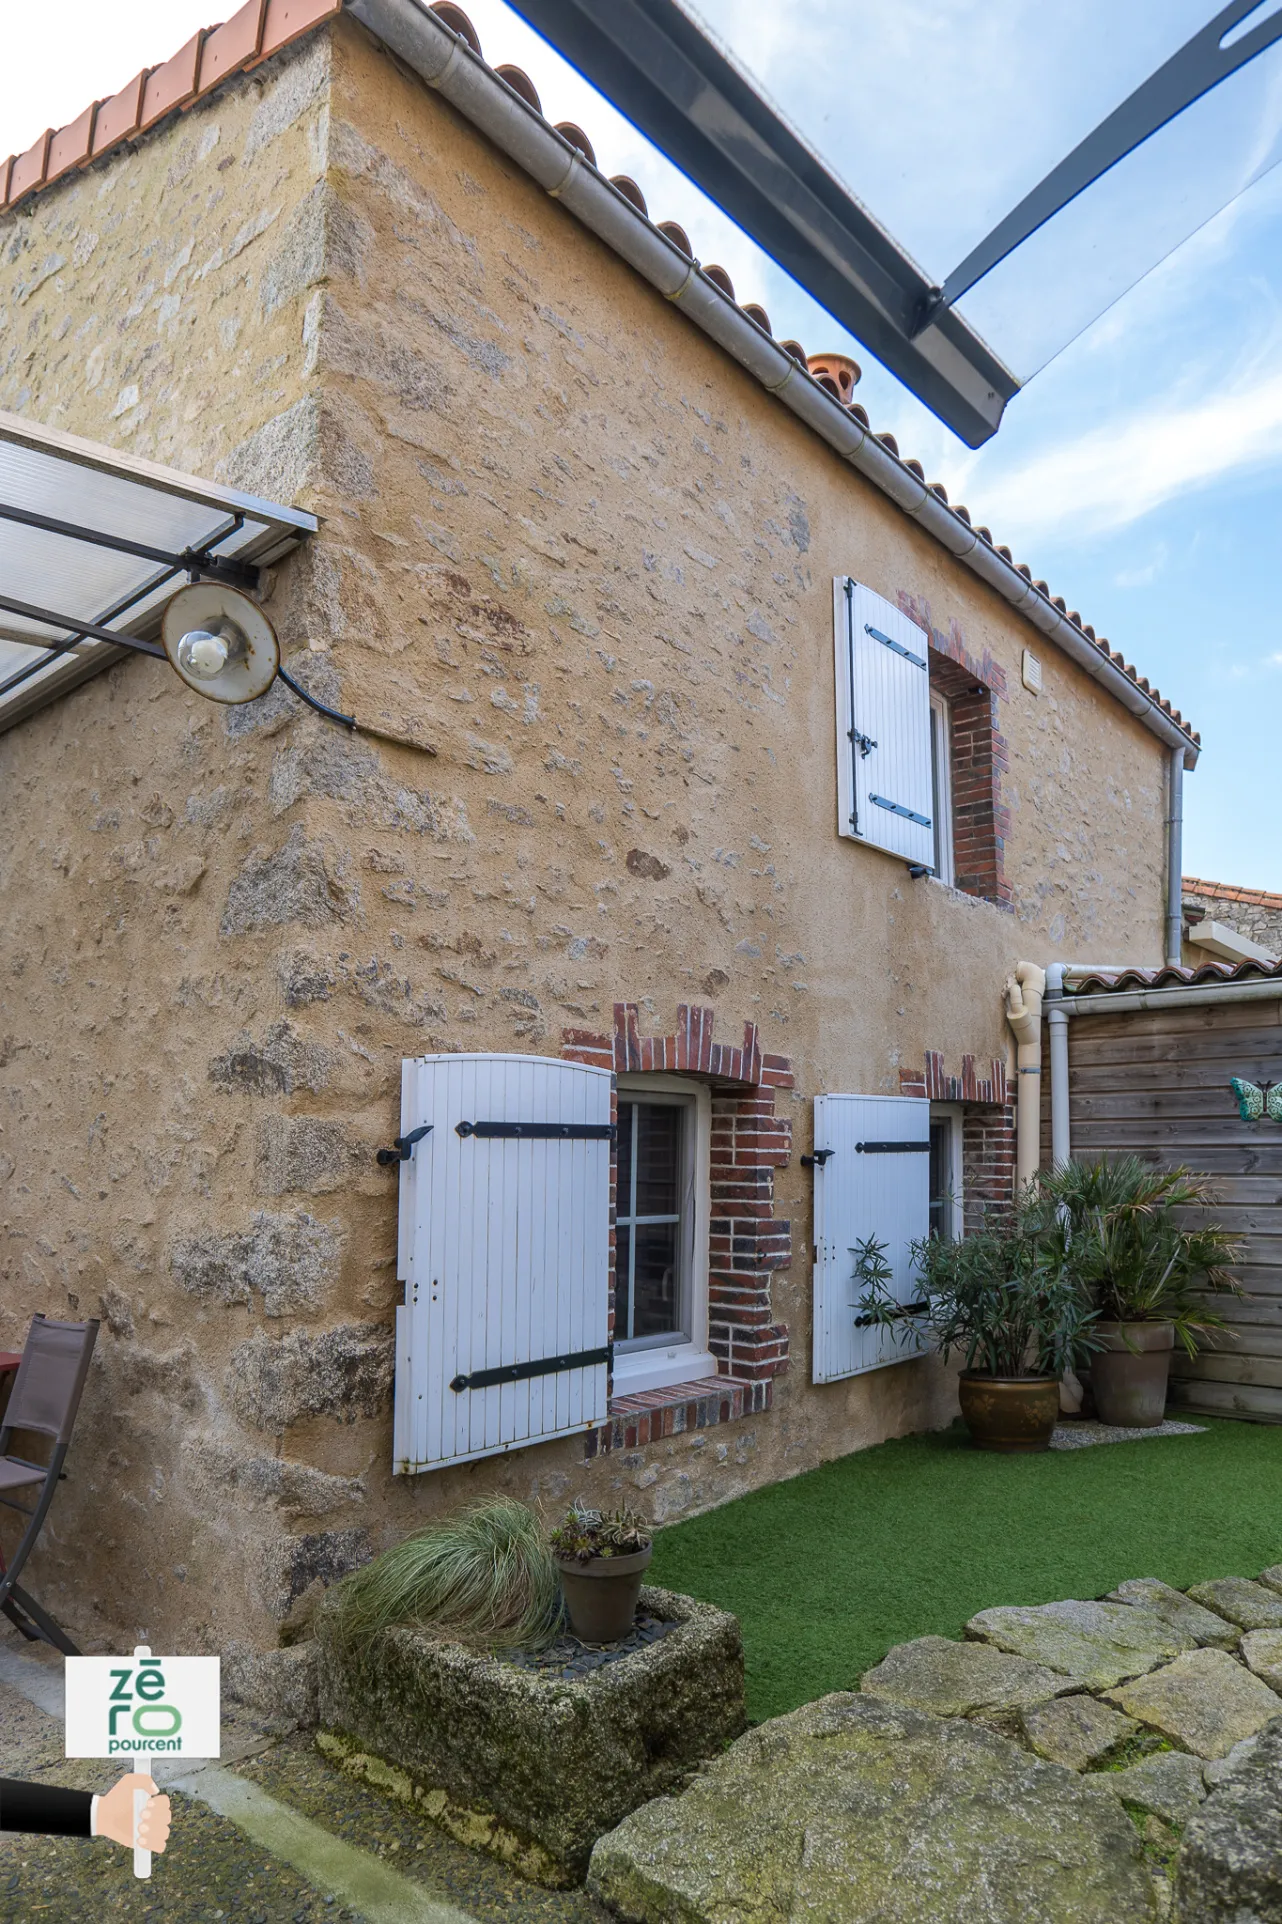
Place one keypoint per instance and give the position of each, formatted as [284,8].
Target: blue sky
[1140,472]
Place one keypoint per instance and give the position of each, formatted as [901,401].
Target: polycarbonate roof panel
[98,490]
[940,115]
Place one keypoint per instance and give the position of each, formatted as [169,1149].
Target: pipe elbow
[1024,992]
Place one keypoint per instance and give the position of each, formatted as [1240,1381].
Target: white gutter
[1187,995]
[1057,1022]
[447,64]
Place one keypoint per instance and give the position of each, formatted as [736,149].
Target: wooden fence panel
[1155,1083]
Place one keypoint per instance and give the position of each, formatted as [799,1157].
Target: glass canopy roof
[90,536]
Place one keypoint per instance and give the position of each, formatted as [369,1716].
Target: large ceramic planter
[1129,1373]
[1012,1414]
[601,1594]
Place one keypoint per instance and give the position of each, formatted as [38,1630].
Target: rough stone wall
[593,561]
[1252,913]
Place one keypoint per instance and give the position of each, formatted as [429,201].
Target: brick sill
[651,1415]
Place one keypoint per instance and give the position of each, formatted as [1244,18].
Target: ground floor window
[945,1170]
[661,1233]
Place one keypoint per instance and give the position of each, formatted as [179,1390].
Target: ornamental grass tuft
[482,1576]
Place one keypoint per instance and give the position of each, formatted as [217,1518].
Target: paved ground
[271,1835]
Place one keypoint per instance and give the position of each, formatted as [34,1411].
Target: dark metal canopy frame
[664,73]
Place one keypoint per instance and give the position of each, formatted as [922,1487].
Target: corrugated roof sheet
[262,28]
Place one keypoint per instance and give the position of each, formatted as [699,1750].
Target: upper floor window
[941,785]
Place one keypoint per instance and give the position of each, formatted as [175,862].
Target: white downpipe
[1024,991]
[1175,859]
[427,46]
[1057,1022]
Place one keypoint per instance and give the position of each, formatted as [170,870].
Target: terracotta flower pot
[1009,1413]
[1129,1374]
[601,1594]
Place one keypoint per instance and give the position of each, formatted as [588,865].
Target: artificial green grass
[827,1571]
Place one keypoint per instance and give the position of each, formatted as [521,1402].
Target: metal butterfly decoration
[1254,1102]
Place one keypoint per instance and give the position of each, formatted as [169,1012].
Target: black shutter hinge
[818,1160]
[403,1146]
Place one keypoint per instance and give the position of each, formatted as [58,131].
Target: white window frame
[953,1114]
[941,772]
[649,1363]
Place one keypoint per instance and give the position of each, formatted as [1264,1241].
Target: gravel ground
[212,1871]
[295,1772]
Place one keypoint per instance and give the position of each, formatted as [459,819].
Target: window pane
[657,1300]
[941,1179]
[658,1127]
[623,1202]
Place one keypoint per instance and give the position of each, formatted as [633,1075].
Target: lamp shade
[220,642]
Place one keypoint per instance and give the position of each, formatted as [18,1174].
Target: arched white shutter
[884,786]
[875,1181]
[504,1251]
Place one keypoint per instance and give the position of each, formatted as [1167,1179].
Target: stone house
[638,576]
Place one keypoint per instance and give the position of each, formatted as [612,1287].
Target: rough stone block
[280,1684]
[530,1767]
[308,1155]
[292,1261]
[1272,1576]
[1168,1785]
[1229,1870]
[1075,1731]
[1204,1701]
[1263,1652]
[291,1565]
[293,883]
[1204,1626]
[953,1679]
[863,1811]
[1255,1606]
[282,1062]
[1096,1644]
[343,1372]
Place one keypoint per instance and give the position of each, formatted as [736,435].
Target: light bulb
[202,654]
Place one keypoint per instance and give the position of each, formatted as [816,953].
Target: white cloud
[1136,463]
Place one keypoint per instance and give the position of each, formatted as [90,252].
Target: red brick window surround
[988,1130]
[746,1241]
[972,686]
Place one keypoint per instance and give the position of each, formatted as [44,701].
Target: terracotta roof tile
[1172,977]
[72,145]
[232,45]
[261,28]
[1230,892]
[172,85]
[117,118]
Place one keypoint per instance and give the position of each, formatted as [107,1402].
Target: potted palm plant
[1148,1271]
[602,1556]
[1005,1299]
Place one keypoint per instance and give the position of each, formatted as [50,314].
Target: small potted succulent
[1005,1299]
[1147,1268]
[602,1556]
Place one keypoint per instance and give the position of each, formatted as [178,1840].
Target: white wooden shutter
[504,1251]
[867,1186]
[884,786]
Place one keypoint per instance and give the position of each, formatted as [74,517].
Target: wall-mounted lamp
[225,648]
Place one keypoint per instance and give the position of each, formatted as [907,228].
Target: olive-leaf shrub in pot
[602,1556]
[1147,1269]
[1003,1298]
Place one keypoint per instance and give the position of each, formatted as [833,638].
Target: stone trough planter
[525,1763]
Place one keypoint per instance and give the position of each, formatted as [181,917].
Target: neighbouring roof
[1172,977]
[1230,892]
[260,29]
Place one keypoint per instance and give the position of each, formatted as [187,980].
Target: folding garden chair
[44,1399]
